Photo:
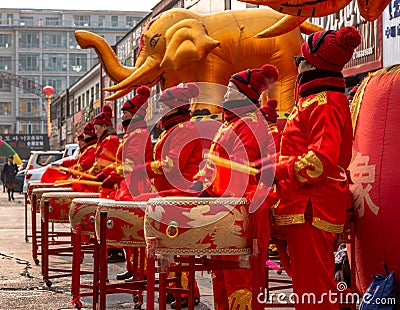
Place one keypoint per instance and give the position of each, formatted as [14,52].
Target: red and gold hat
[138,104]
[81,136]
[179,96]
[252,82]
[88,129]
[104,117]
[331,50]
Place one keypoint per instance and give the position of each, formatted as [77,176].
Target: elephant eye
[154,40]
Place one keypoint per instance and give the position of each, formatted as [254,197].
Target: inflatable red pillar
[375,171]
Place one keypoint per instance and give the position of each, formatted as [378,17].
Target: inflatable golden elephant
[182,46]
[300,10]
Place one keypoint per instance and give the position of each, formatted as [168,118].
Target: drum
[60,203]
[34,185]
[199,226]
[83,210]
[124,222]
[39,191]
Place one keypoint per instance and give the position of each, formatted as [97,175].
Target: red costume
[178,151]
[315,153]
[135,150]
[107,144]
[243,138]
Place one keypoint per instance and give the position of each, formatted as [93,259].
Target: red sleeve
[324,143]
[70,162]
[174,154]
[86,160]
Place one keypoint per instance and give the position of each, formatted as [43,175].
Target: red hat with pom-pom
[88,129]
[179,96]
[269,110]
[104,117]
[81,136]
[252,82]
[138,104]
[331,50]
[352,93]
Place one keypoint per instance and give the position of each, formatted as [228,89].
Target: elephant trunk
[148,73]
[107,57]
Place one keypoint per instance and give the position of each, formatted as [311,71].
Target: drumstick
[222,162]
[76,172]
[84,182]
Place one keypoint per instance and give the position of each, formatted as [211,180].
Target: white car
[34,175]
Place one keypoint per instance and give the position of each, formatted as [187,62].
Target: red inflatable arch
[375,171]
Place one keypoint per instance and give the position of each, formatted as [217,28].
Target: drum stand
[63,246]
[102,288]
[191,264]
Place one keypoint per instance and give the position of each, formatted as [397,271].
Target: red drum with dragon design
[204,226]
[60,203]
[124,222]
[83,210]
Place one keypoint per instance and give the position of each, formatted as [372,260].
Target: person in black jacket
[10,170]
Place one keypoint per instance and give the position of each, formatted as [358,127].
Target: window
[54,39]
[53,21]
[5,86]
[78,62]
[29,39]
[72,44]
[28,127]
[28,62]
[5,63]
[55,62]
[82,20]
[130,21]
[26,21]
[5,40]
[29,107]
[102,21]
[59,83]
[97,92]
[5,108]
[114,21]
[30,83]
[6,129]
[10,19]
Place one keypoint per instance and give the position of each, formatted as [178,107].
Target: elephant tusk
[309,28]
[286,24]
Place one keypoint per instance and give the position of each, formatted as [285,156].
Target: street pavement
[21,283]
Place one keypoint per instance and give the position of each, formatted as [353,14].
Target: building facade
[38,48]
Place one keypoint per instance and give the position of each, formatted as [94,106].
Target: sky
[113,5]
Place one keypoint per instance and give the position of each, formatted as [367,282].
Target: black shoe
[184,302]
[116,256]
[125,275]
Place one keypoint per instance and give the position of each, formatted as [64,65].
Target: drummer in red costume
[87,150]
[242,138]
[178,151]
[105,154]
[135,149]
[311,175]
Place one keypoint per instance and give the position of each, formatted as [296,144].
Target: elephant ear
[186,41]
